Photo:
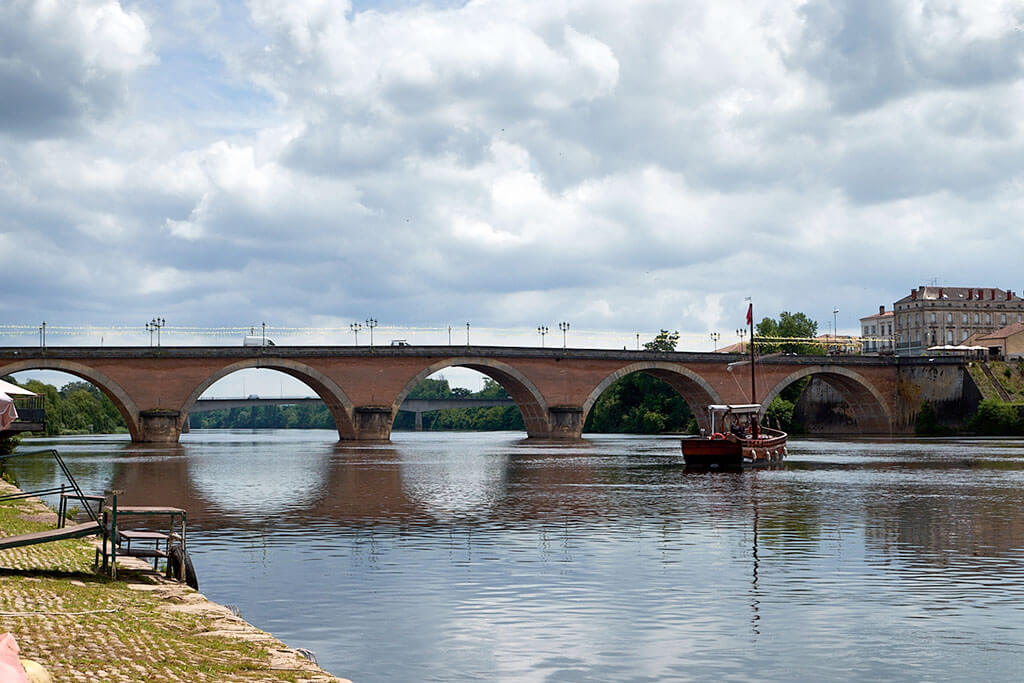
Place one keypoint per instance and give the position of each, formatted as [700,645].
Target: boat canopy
[738,408]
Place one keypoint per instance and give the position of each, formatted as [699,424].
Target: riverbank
[84,627]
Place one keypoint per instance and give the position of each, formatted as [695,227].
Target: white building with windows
[877,333]
[936,316]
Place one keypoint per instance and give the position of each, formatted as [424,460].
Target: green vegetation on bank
[642,404]
[495,418]
[1007,379]
[7,445]
[76,408]
[781,410]
[318,417]
[998,418]
[1001,411]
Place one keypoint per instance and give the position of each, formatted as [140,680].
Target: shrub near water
[996,418]
[928,422]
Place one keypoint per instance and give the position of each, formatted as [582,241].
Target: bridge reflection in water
[418,406]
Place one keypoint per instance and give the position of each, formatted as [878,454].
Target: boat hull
[732,452]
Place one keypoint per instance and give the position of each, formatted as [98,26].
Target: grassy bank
[85,627]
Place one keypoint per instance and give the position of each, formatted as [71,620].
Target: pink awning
[8,414]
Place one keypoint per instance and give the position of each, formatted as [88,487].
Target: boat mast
[755,427]
[753,384]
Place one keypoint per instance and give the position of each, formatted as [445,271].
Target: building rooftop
[929,293]
[738,347]
[1003,333]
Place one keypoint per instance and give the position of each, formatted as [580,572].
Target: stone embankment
[84,627]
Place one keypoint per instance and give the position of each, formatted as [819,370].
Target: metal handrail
[93,514]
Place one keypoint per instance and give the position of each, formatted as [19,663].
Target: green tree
[431,388]
[665,341]
[795,325]
[491,389]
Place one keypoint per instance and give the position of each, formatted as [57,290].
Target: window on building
[1002,319]
[977,318]
[963,335]
[1020,317]
[949,337]
[963,319]
[949,317]
[933,316]
[988,318]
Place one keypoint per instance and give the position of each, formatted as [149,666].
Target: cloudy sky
[624,166]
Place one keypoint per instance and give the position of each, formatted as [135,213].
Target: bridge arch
[870,409]
[120,398]
[524,392]
[694,389]
[337,402]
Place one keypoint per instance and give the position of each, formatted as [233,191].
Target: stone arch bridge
[555,389]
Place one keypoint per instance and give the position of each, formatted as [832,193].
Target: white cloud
[64,63]
[632,166]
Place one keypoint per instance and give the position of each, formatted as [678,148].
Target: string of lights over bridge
[157,332]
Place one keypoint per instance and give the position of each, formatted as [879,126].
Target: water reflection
[478,556]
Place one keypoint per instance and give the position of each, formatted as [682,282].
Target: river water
[477,557]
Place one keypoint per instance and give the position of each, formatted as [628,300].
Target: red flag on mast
[750,313]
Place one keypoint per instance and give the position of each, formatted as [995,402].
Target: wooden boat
[736,439]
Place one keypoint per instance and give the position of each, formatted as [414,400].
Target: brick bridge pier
[363,387]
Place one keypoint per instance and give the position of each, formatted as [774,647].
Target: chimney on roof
[970,294]
[940,292]
[1008,294]
[913,294]
[881,309]
[992,294]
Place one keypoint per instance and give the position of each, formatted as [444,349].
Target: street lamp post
[835,329]
[467,334]
[355,327]
[741,333]
[542,330]
[154,325]
[715,336]
[564,327]
[449,335]
[42,335]
[371,323]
